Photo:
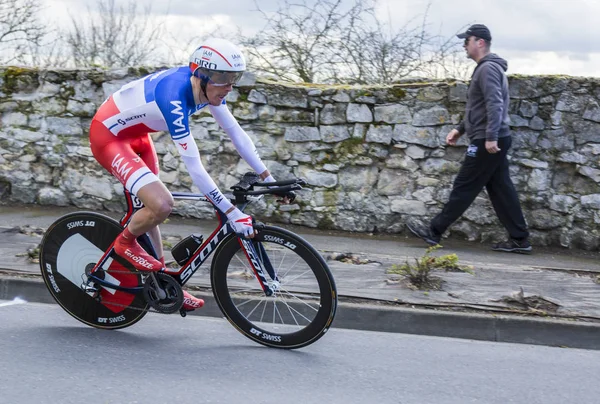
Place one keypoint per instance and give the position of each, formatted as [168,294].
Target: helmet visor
[221,78]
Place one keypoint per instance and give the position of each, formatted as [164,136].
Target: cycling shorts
[130,156]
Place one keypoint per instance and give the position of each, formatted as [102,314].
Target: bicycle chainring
[167,296]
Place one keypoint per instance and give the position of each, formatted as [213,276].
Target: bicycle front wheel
[302,307]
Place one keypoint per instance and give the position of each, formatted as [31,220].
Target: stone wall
[373,157]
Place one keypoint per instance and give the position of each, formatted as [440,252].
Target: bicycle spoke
[300,314]
[255,307]
[300,300]
[298,277]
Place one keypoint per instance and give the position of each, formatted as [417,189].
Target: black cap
[478,30]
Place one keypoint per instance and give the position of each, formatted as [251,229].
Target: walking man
[486,124]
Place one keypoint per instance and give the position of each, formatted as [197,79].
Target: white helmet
[218,61]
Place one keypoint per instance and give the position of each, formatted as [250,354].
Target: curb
[373,317]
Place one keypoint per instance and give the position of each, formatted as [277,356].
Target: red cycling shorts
[130,156]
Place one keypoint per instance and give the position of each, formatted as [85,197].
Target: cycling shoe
[137,256]
[191,302]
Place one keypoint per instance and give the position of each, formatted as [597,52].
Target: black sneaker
[424,233]
[513,245]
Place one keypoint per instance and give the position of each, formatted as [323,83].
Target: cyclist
[163,101]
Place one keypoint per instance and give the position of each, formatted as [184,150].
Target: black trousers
[482,169]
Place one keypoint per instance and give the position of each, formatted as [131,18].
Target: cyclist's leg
[118,156]
[145,148]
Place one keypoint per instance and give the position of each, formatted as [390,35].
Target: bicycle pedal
[182,312]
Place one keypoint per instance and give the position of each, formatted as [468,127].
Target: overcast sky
[535,36]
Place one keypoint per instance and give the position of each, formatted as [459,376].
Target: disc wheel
[76,241]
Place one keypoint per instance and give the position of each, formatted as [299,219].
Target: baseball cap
[478,30]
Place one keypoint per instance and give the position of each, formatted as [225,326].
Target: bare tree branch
[20,29]
[115,36]
[342,41]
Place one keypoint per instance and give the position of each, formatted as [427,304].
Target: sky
[535,36]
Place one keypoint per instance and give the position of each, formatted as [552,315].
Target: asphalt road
[48,357]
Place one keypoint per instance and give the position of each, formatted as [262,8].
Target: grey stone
[402,162]
[257,97]
[394,113]
[415,152]
[539,180]
[422,136]
[562,203]
[379,134]
[332,134]
[318,178]
[591,201]
[518,122]
[408,207]
[245,111]
[394,182]
[592,112]
[440,166]
[233,96]
[13,119]
[544,220]
[27,135]
[64,126]
[528,109]
[99,187]
[533,163]
[571,157]
[556,140]
[458,92]
[359,113]
[266,112]
[589,172]
[302,134]
[341,96]
[431,117]
[333,114]
[429,94]
[556,118]
[52,197]
[293,98]
[425,195]
[585,131]
[357,179]
[537,123]
[570,103]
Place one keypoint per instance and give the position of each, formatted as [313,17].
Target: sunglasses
[221,78]
[469,38]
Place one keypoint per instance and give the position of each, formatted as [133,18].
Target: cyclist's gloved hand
[241,223]
[286,197]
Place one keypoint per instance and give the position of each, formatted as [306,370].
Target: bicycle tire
[307,309]
[75,241]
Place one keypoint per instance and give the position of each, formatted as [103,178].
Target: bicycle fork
[259,260]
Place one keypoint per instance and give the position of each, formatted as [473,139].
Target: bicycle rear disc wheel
[301,309]
[76,241]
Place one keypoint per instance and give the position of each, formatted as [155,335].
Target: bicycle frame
[204,251]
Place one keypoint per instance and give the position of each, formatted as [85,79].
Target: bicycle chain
[149,308]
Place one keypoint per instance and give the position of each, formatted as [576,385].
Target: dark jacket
[486,114]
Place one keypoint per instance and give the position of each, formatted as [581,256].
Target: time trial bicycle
[275,288]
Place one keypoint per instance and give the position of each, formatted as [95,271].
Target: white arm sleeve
[206,184]
[240,139]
